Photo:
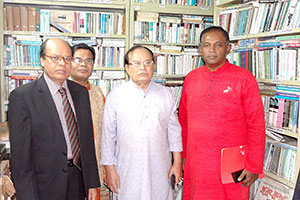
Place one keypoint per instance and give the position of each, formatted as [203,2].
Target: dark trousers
[76,189]
[297,189]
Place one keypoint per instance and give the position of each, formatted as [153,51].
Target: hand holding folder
[233,163]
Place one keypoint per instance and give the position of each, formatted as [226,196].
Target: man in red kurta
[220,107]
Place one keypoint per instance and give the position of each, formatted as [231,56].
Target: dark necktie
[71,125]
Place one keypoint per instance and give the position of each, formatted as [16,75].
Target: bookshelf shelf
[267,34]
[169,76]
[283,82]
[108,68]
[81,35]
[172,9]
[283,132]
[168,44]
[225,2]
[282,180]
[73,3]
[23,68]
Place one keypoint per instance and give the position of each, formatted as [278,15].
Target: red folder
[232,160]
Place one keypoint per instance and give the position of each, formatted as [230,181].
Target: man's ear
[228,48]
[42,61]
[200,50]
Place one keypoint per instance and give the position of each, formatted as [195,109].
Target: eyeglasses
[57,59]
[146,63]
[88,61]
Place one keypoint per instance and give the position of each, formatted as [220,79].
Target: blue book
[295,114]
[59,27]
[288,88]
[269,44]
[287,96]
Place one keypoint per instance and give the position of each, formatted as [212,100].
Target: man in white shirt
[140,129]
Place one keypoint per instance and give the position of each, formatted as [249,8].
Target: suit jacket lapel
[46,97]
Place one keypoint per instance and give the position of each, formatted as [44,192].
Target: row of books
[17,78]
[269,63]
[106,80]
[253,17]
[108,84]
[152,27]
[280,159]
[281,112]
[200,3]
[23,51]
[109,57]
[178,64]
[176,92]
[22,18]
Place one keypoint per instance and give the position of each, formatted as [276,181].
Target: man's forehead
[137,54]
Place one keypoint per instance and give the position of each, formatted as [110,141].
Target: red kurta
[219,109]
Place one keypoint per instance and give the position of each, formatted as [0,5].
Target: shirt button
[210,80]
[208,95]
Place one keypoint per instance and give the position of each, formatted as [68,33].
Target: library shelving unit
[171,29]
[24,24]
[264,37]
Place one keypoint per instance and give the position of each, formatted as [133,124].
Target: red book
[232,160]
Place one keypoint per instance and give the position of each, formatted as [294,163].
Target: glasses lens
[148,62]
[89,61]
[67,59]
[77,60]
[55,58]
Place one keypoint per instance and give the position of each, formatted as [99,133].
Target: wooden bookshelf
[90,6]
[165,11]
[128,7]
[228,7]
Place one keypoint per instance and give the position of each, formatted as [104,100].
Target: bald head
[51,41]
[56,57]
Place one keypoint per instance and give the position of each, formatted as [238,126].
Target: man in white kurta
[140,131]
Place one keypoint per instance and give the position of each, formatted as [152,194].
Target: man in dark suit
[51,133]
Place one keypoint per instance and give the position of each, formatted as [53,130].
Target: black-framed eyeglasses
[146,63]
[88,61]
[57,59]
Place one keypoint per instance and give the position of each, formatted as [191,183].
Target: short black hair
[215,28]
[44,45]
[43,48]
[126,59]
[84,46]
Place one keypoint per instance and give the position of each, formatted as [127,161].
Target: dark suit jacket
[38,146]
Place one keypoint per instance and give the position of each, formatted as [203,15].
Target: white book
[154,38]
[295,15]
[263,19]
[290,14]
